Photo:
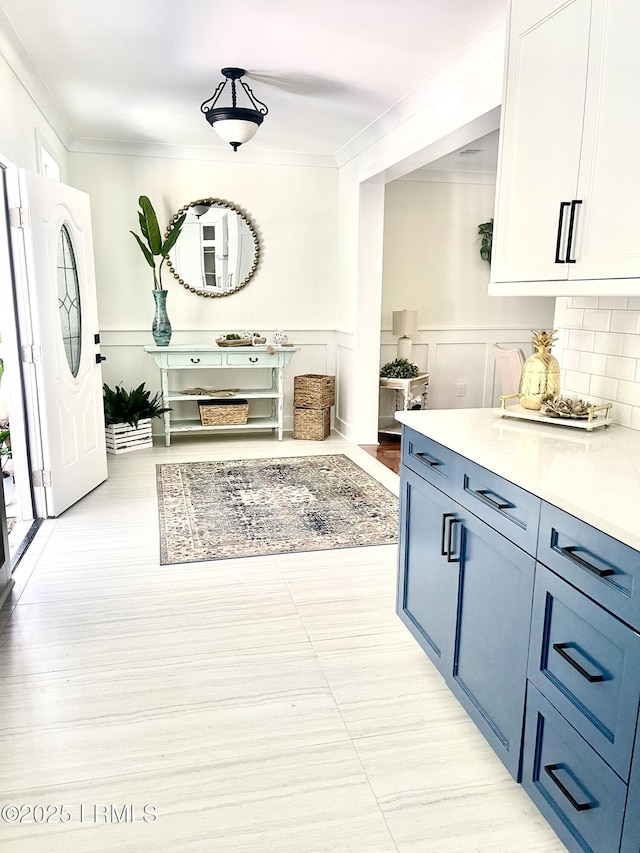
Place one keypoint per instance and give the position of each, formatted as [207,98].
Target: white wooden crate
[122,438]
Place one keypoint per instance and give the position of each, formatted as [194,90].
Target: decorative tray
[240,342]
[590,421]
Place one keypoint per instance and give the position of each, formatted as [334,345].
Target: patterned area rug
[246,508]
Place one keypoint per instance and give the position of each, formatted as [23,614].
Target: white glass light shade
[405,322]
[235,130]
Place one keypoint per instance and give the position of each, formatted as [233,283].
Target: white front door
[66,351]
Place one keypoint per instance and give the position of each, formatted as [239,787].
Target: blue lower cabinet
[576,791]
[631,828]
[465,594]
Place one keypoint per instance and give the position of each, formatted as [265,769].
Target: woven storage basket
[313,391]
[223,412]
[312,424]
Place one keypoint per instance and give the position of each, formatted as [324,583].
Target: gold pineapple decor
[540,378]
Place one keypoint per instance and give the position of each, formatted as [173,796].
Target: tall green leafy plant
[485,233]
[129,407]
[151,244]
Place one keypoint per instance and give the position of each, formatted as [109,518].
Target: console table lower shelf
[172,359]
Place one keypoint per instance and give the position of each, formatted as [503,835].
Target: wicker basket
[312,424]
[223,412]
[313,391]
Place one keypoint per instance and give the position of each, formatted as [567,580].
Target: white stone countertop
[592,475]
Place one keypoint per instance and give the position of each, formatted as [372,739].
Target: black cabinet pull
[432,463]
[563,204]
[451,559]
[569,552]
[100,358]
[445,516]
[195,360]
[579,807]
[561,648]
[483,494]
[574,204]
[252,359]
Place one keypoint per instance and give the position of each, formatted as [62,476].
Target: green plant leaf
[145,251]
[151,229]
[173,235]
[122,406]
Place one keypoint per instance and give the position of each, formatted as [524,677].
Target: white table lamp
[405,324]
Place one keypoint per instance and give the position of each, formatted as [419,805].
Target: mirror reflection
[218,249]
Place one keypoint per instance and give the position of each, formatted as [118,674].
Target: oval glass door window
[69,300]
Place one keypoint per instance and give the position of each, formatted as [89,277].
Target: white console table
[403,389]
[173,359]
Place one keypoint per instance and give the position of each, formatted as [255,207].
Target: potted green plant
[485,234]
[155,251]
[128,416]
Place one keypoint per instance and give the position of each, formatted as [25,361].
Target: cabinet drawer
[194,359]
[579,795]
[506,507]
[587,663]
[252,359]
[602,567]
[430,460]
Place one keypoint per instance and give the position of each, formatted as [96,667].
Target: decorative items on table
[313,397]
[280,338]
[405,324]
[540,380]
[152,248]
[128,416]
[244,339]
[399,368]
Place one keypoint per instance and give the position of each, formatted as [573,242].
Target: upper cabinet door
[567,216]
[540,141]
[607,241]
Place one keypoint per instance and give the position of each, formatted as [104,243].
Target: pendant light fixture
[234,124]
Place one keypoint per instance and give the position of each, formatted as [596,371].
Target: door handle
[483,494]
[445,516]
[569,552]
[574,204]
[100,358]
[432,463]
[561,648]
[451,559]
[563,204]
[579,807]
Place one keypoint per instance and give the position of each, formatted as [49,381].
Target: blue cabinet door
[492,637]
[427,577]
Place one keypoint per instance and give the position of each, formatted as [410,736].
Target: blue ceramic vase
[161,327]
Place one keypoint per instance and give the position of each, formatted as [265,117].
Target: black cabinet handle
[574,204]
[563,204]
[561,648]
[451,559]
[195,360]
[432,463]
[483,494]
[100,358]
[579,807]
[252,359]
[445,516]
[569,552]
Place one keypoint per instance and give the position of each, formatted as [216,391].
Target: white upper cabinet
[567,218]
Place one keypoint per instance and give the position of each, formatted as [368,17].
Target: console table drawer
[586,662]
[194,359]
[602,567]
[579,795]
[430,460]
[252,359]
[506,507]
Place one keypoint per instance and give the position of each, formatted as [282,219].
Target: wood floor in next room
[260,705]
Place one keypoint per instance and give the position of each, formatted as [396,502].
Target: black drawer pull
[253,359]
[451,559]
[195,360]
[432,463]
[561,648]
[563,204]
[569,552]
[483,494]
[579,807]
[572,217]
[445,516]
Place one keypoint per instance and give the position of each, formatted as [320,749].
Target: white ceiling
[136,71]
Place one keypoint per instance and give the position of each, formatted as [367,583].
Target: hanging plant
[485,232]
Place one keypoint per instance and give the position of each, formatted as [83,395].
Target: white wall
[599,352]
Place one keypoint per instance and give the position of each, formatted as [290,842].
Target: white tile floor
[260,705]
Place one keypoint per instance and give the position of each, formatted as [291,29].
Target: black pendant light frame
[234,112]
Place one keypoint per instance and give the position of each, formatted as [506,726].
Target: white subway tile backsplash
[577,383]
[570,359]
[631,346]
[634,303]
[621,414]
[635,418]
[612,302]
[579,339]
[621,368]
[591,362]
[583,301]
[604,387]
[625,321]
[596,319]
[573,318]
[607,342]
[629,392]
